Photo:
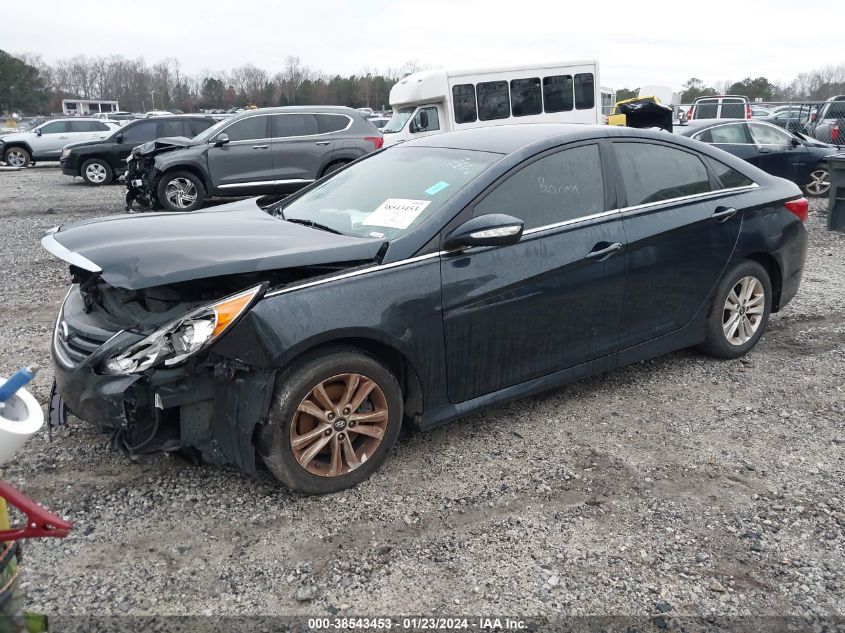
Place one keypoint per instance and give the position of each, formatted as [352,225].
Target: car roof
[283,109]
[506,139]
[720,97]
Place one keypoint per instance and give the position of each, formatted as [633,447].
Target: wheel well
[341,161]
[405,373]
[20,144]
[773,268]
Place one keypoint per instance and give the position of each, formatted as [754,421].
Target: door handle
[604,253]
[324,142]
[764,150]
[260,146]
[724,213]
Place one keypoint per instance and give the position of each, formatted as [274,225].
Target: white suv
[721,107]
[45,141]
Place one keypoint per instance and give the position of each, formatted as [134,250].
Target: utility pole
[153,97]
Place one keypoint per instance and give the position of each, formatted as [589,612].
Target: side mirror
[795,141]
[118,138]
[495,229]
[222,139]
[38,132]
[423,120]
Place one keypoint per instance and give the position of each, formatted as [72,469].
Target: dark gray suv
[271,150]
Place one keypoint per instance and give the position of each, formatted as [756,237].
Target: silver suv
[45,141]
[271,150]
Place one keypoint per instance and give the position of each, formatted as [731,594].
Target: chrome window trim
[315,114]
[75,259]
[260,183]
[419,258]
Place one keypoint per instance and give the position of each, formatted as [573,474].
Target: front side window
[768,135]
[526,97]
[140,132]
[285,125]
[557,93]
[248,129]
[55,127]
[585,91]
[652,173]
[564,186]
[463,97]
[426,120]
[493,100]
[726,134]
[390,193]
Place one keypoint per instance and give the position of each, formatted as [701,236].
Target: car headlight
[65,154]
[179,339]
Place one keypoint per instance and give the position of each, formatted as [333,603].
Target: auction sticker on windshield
[396,213]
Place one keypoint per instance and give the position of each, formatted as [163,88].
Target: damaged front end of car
[141,175]
[135,346]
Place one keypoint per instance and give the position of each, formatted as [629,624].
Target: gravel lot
[682,485]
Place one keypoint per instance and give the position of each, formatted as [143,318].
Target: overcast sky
[637,42]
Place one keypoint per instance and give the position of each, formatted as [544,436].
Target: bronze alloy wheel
[339,425]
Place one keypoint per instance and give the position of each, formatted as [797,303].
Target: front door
[54,136]
[552,301]
[680,232]
[427,121]
[776,154]
[244,165]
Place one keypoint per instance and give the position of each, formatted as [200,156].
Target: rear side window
[84,126]
[728,176]
[249,129]
[526,97]
[463,97]
[140,132]
[285,125]
[173,128]
[585,91]
[493,101]
[557,93]
[652,173]
[198,125]
[331,123]
[835,110]
[563,186]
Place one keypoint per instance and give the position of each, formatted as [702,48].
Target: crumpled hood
[161,145]
[154,249]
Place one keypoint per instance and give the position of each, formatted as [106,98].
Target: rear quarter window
[728,176]
[327,123]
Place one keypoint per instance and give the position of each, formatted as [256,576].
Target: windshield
[209,132]
[389,194]
[398,120]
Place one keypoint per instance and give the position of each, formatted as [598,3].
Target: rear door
[245,163]
[775,153]
[680,236]
[298,148]
[552,301]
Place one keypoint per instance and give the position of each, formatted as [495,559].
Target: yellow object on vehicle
[617,118]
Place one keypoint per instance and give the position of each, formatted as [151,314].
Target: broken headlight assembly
[175,342]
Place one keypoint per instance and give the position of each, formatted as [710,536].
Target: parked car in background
[421,283]
[154,113]
[793,156]
[828,124]
[45,141]
[365,112]
[98,162]
[379,121]
[119,115]
[790,118]
[759,111]
[272,150]
[720,107]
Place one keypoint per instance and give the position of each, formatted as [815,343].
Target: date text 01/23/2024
[419,624]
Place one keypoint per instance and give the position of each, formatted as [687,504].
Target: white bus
[436,101]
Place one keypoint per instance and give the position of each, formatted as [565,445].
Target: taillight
[378,141]
[800,208]
[747,111]
[834,133]
[690,113]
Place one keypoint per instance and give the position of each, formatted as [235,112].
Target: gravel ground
[681,485]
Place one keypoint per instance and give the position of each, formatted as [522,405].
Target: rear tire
[317,446]
[740,311]
[819,185]
[180,191]
[333,167]
[96,172]
[17,157]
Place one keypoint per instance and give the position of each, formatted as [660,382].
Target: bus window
[464,98]
[557,93]
[526,97]
[585,91]
[493,101]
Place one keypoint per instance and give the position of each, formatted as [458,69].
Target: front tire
[740,311]
[180,191]
[96,172]
[335,415]
[17,157]
[819,184]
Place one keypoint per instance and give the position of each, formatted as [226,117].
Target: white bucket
[21,417]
